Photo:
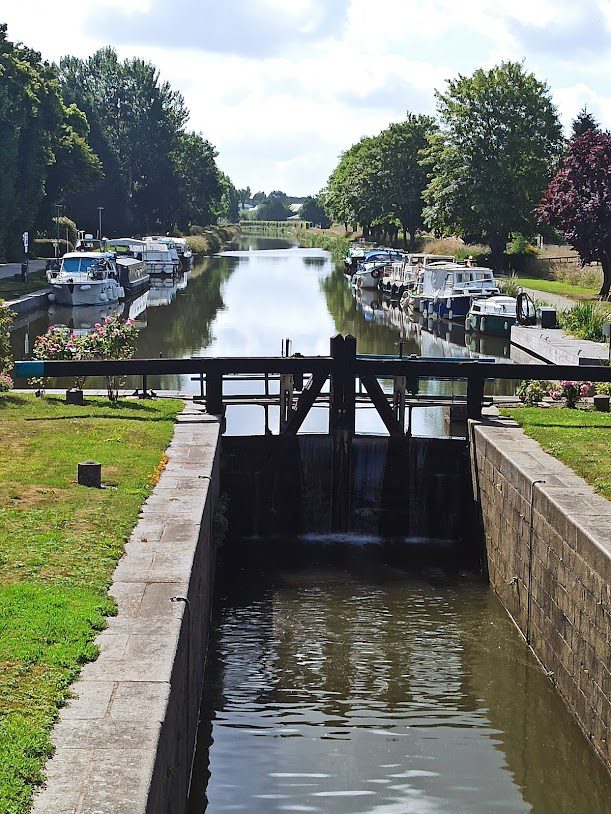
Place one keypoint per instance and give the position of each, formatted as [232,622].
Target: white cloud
[282,88]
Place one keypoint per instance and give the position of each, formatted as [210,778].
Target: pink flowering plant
[6,359]
[571,392]
[111,339]
[57,344]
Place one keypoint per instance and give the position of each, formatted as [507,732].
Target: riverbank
[211,239]
[336,245]
[59,544]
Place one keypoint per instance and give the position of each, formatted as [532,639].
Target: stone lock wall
[548,550]
[124,744]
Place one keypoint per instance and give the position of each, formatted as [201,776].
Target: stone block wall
[548,550]
[125,743]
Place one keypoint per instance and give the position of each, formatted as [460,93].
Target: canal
[339,681]
[246,302]
[340,678]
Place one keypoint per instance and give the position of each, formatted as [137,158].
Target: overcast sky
[281,87]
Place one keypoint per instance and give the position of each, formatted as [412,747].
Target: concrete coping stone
[107,736]
[563,495]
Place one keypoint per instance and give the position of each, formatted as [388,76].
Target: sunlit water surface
[339,683]
[246,302]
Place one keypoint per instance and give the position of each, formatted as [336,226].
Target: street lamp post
[58,209]
[100,210]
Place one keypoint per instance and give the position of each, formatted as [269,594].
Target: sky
[282,87]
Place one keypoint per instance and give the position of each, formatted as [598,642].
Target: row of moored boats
[106,271]
[435,286]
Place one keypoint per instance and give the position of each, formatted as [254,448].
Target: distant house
[295,207]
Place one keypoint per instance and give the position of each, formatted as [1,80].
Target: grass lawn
[581,439]
[59,543]
[11,288]
[575,292]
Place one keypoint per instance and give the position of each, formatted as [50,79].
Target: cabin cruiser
[185,254]
[157,256]
[170,242]
[447,291]
[492,315]
[85,278]
[401,275]
[355,254]
[371,268]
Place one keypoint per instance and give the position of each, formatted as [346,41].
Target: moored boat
[449,290]
[85,278]
[492,315]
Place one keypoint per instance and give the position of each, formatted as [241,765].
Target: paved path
[557,301]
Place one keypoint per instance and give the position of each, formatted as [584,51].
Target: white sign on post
[26,240]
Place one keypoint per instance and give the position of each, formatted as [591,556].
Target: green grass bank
[59,544]
[578,438]
[337,245]
[204,241]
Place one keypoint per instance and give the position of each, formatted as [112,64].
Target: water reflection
[245,302]
[339,683]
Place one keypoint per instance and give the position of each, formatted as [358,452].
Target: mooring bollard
[90,474]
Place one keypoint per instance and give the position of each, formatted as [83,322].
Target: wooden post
[475,395]
[342,415]
[214,394]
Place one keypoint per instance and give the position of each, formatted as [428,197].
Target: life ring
[375,273]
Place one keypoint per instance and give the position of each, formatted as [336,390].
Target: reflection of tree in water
[184,326]
[371,337]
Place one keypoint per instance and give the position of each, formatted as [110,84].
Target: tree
[577,202]
[494,154]
[201,184]
[43,146]
[312,209]
[274,207]
[404,176]
[584,121]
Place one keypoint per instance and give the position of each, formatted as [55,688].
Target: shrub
[111,339]
[585,320]
[460,249]
[45,247]
[571,392]
[199,245]
[70,225]
[6,358]
[603,388]
[510,286]
[532,392]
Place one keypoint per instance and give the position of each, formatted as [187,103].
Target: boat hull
[492,324]
[94,292]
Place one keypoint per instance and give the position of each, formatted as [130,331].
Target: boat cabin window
[74,265]
[481,275]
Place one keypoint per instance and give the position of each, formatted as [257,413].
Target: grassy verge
[211,240]
[575,292]
[578,438]
[59,543]
[337,245]
[11,288]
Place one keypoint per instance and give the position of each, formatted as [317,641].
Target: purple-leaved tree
[578,201]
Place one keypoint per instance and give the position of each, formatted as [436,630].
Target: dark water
[337,682]
[246,302]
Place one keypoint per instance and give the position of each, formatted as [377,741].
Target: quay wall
[125,743]
[548,552]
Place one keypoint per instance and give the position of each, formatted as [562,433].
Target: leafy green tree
[404,176]
[157,176]
[258,198]
[274,207]
[583,122]
[201,184]
[43,147]
[230,200]
[493,156]
[313,210]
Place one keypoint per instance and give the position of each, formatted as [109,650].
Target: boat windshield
[481,275]
[74,265]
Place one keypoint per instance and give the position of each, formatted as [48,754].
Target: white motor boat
[85,278]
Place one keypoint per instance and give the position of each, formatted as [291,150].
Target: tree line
[100,132]
[493,163]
